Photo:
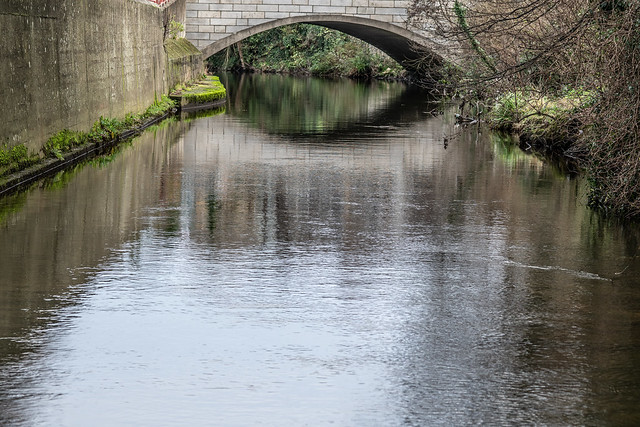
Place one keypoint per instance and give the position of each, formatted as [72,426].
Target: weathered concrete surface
[65,63]
[184,61]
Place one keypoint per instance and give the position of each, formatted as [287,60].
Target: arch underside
[406,47]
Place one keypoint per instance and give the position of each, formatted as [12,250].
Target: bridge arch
[406,47]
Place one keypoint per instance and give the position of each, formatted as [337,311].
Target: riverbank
[511,51]
[568,129]
[20,168]
[551,125]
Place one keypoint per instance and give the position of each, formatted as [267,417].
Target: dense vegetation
[307,49]
[563,73]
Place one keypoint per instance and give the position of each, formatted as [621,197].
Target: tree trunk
[239,45]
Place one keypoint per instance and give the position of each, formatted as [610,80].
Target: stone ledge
[206,93]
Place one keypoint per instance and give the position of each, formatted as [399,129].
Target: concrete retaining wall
[184,61]
[65,63]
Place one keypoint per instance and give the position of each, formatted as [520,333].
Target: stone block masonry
[212,20]
[213,25]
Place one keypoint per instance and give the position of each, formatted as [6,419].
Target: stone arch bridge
[213,25]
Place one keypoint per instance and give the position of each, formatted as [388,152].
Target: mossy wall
[185,61]
[65,63]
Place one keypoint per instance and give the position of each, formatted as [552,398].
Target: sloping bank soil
[19,169]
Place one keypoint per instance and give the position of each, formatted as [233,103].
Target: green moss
[204,97]
[209,89]
[180,48]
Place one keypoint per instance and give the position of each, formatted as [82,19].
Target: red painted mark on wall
[161,2]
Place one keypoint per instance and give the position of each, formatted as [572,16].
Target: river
[316,252]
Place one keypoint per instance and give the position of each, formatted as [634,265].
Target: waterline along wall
[65,63]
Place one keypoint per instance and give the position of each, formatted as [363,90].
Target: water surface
[316,255]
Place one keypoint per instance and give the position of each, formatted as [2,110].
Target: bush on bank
[510,46]
[548,122]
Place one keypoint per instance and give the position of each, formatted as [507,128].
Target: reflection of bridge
[213,25]
[318,110]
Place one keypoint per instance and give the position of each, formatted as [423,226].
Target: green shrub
[63,141]
[104,129]
[12,155]
[175,28]
[159,107]
[16,158]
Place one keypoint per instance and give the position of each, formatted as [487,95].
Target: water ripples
[257,276]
